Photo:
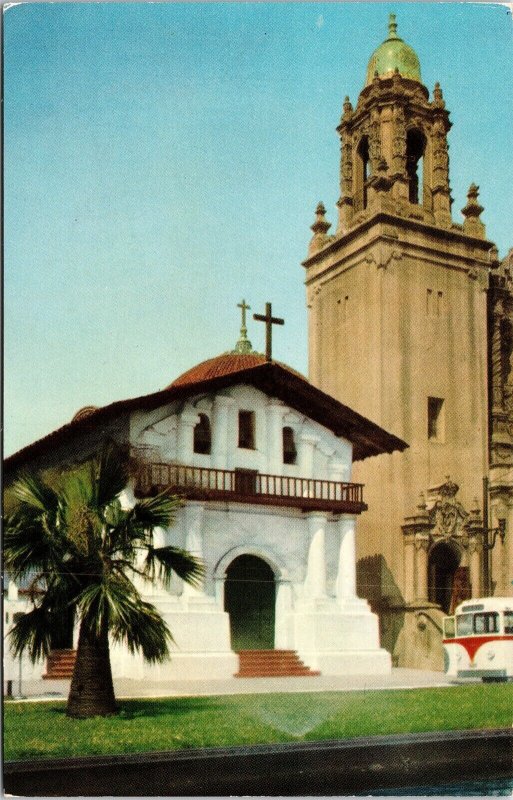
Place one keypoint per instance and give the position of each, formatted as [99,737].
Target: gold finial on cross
[243,345]
[269,322]
[244,307]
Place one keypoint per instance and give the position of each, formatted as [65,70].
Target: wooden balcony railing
[249,486]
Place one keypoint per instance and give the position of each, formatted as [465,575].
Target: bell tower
[394,143]
[397,305]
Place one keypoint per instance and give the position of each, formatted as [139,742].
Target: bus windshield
[464,624]
[449,628]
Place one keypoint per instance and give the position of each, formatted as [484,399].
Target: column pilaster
[416,538]
[346,575]
[194,513]
[221,411]
[307,443]
[315,580]
[409,567]
[421,552]
[187,421]
[274,419]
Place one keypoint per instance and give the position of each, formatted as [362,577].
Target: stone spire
[320,230]
[472,212]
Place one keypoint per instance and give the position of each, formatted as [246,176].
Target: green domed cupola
[391,55]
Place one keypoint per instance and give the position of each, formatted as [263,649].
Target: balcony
[248,486]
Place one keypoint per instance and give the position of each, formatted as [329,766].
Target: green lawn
[42,730]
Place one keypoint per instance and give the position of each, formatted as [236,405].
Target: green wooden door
[249,598]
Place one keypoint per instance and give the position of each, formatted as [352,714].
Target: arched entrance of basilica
[249,599]
[444,560]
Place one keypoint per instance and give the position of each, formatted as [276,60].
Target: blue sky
[162,161]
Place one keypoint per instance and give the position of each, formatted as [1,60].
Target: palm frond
[32,491]
[33,632]
[77,487]
[161,562]
[111,474]
[147,633]
[156,512]
[28,547]
[108,602]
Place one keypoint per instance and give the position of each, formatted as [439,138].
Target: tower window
[363,169]
[289,446]
[202,435]
[247,430]
[436,427]
[415,147]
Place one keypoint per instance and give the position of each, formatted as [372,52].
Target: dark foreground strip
[308,768]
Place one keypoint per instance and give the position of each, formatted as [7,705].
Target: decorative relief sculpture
[447,514]
[375,141]
[399,140]
[347,167]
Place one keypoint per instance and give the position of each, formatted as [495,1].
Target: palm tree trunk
[92,691]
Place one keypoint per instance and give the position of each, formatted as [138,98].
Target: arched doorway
[249,599]
[443,562]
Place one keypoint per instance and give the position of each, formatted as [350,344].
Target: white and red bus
[478,640]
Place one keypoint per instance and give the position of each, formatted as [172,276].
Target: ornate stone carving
[447,514]
[440,156]
[399,141]
[375,141]
[421,542]
[347,167]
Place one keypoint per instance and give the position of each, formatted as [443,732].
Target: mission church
[407,416]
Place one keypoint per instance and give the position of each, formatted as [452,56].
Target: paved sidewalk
[399,679]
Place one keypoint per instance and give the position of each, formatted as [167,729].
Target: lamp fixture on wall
[499,531]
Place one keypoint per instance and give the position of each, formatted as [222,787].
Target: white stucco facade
[280,502]
[311,554]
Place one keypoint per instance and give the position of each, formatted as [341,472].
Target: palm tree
[75,541]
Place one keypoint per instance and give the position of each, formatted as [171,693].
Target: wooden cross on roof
[269,322]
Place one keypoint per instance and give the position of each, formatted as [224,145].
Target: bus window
[449,632]
[464,624]
[486,623]
[508,622]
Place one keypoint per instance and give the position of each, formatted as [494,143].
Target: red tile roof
[225,364]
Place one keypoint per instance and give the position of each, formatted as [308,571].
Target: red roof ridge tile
[225,364]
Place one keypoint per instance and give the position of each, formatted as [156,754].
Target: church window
[429,302]
[436,419]
[415,147]
[363,171]
[289,446]
[202,435]
[247,430]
